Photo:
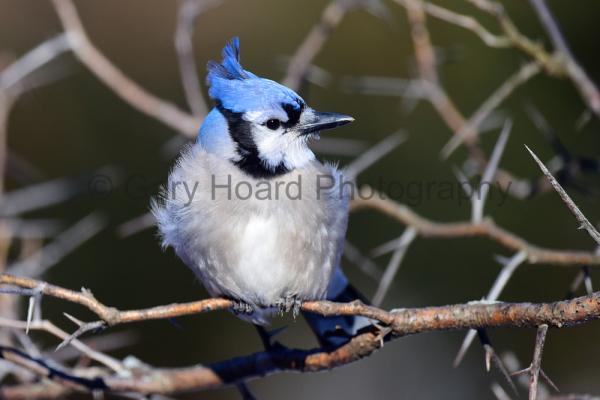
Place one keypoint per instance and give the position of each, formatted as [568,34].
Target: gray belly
[267,260]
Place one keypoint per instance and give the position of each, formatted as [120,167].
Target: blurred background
[74,129]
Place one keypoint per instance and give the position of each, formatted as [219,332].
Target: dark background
[77,125]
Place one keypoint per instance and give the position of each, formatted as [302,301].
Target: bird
[267,254]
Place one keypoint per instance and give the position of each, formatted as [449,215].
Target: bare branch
[136,225]
[12,77]
[45,194]
[374,154]
[467,22]
[116,80]
[492,356]
[540,339]
[402,245]
[370,198]
[430,88]
[582,81]
[524,73]
[560,64]
[364,263]
[480,195]
[493,295]
[47,326]
[583,221]
[63,244]
[83,328]
[314,41]
[401,322]
[189,10]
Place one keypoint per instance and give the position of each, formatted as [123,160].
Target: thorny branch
[370,198]
[401,322]
[145,379]
[464,129]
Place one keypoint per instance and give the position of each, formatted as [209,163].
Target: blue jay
[266,254]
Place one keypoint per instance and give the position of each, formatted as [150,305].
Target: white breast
[256,250]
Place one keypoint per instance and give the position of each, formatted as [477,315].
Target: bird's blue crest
[230,67]
[239,90]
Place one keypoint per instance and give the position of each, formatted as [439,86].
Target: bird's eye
[273,124]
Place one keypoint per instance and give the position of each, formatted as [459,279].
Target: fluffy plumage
[257,251]
[263,252]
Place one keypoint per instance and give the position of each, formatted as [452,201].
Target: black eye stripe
[293,112]
[249,162]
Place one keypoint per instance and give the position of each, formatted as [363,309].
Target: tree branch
[370,198]
[401,322]
[116,80]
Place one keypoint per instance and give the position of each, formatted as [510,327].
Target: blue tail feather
[333,332]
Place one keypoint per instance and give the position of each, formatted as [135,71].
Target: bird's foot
[241,307]
[289,303]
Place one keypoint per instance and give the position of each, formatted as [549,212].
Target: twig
[136,225]
[492,356]
[45,194]
[540,339]
[63,244]
[583,221]
[493,295]
[524,74]
[364,263]
[560,64]
[45,369]
[12,77]
[314,41]
[433,91]
[426,63]
[551,64]
[499,392]
[116,80]
[582,81]
[551,26]
[402,245]
[583,276]
[31,228]
[466,22]
[47,326]
[373,155]
[189,10]
[83,328]
[370,198]
[101,343]
[479,196]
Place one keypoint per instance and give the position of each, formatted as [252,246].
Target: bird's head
[259,125]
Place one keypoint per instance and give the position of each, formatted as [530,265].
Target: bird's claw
[289,303]
[240,307]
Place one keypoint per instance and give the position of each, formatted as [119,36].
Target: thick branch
[402,322]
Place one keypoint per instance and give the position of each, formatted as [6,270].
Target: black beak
[323,121]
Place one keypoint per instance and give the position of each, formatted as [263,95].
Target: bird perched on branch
[267,252]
